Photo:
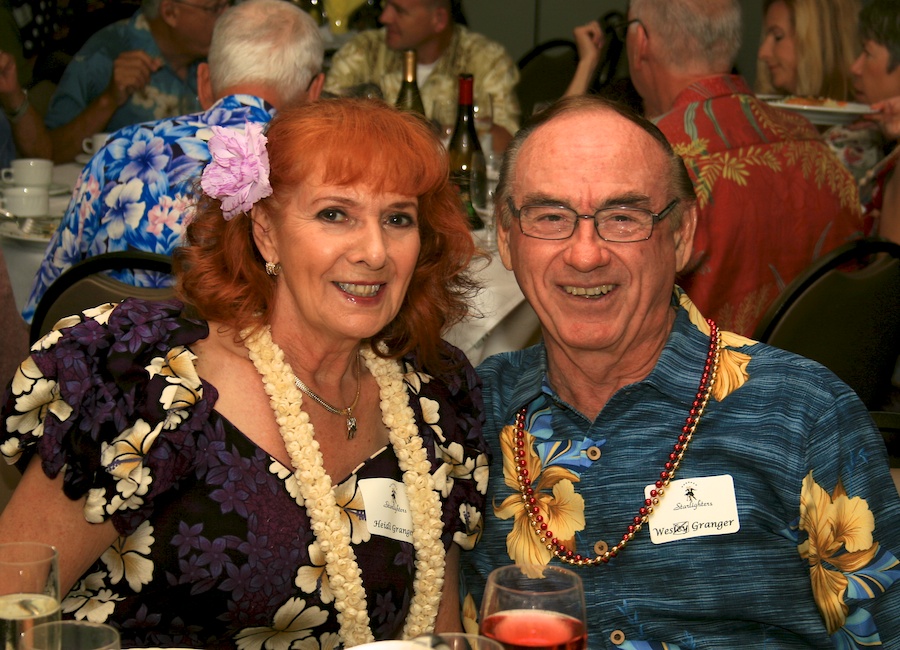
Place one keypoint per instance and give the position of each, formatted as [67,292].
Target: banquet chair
[87,285]
[888,422]
[844,312]
[544,74]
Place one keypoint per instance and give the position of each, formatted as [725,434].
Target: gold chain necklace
[532,510]
[346,411]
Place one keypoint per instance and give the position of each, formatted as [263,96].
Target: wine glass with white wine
[29,589]
[530,607]
[72,635]
[482,185]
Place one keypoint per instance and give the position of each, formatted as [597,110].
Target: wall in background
[521,24]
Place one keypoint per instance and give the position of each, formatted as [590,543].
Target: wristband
[16,115]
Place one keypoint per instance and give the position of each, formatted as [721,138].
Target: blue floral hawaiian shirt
[89,72]
[135,192]
[806,559]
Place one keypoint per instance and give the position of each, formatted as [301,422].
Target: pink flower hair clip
[238,172]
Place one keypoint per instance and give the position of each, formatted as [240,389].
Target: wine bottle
[465,151]
[409,98]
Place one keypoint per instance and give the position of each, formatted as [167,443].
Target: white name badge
[694,507]
[387,508]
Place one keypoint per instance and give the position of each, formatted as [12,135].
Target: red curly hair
[221,273]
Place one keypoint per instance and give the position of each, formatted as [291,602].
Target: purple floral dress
[215,547]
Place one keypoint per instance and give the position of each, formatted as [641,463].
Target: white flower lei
[318,496]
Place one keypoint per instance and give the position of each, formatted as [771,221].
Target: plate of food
[824,111]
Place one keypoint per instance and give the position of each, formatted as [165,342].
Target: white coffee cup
[29,172]
[30,201]
[94,143]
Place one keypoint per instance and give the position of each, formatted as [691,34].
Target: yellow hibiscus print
[560,506]
[314,577]
[185,388]
[127,451]
[350,500]
[128,558]
[293,623]
[840,536]
[36,397]
[732,373]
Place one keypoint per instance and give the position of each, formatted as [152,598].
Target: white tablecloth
[24,254]
[506,321]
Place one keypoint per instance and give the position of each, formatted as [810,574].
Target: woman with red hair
[295,455]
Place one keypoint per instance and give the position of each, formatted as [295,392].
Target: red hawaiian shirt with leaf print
[772,198]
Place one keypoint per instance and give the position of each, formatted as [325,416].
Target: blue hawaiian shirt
[814,560]
[89,72]
[135,192]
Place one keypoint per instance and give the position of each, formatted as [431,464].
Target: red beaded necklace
[707,380]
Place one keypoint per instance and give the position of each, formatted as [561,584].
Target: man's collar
[710,87]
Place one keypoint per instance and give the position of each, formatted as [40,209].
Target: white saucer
[59,189]
[83,158]
[11,230]
[55,189]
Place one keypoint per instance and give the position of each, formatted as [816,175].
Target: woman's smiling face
[347,256]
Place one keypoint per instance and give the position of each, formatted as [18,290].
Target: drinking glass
[481,189]
[29,589]
[443,116]
[534,607]
[483,108]
[71,635]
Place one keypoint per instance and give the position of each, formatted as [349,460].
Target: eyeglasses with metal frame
[622,28]
[618,224]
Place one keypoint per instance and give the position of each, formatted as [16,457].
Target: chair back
[87,285]
[888,422]
[544,74]
[844,312]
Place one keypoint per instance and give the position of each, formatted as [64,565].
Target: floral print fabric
[772,198]
[137,191]
[215,548]
[814,563]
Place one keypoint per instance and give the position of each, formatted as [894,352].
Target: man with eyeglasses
[772,197]
[710,491]
[135,70]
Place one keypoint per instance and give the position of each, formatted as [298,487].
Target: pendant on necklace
[351,425]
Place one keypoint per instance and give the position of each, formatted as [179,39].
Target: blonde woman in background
[808,47]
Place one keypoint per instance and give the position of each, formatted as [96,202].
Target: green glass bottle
[465,150]
[409,98]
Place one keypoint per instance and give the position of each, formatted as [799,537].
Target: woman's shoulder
[115,387]
[127,327]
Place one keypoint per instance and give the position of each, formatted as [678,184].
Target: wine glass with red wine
[528,607]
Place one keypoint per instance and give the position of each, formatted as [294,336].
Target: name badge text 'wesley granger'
[694,507]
